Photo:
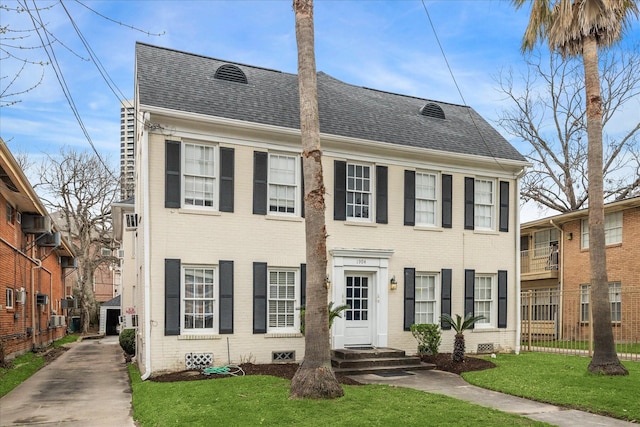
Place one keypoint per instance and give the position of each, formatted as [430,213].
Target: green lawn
[563,380]
[264,400]
[24,366]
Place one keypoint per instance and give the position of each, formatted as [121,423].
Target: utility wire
[453,77]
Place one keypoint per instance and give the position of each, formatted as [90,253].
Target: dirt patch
[53,353]
[442,361]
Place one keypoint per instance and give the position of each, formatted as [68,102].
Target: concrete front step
[372,360]
[354,353]
[384,369]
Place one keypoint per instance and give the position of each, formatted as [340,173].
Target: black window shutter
[382,183]
[409,197]
[504,206]
[172,297]
[469,200]
[445,295]
[259,297]
[172,174]
[301,187]
[226,179]
[502,299]
[469,292]
[303,284]
[409,297]
[339,190]
[260,169]
[447,200]
[226,297]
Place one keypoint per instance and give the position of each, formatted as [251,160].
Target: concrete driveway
[86,386]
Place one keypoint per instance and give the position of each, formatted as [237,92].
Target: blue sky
[386,45]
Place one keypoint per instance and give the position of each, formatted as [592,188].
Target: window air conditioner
[42,299]
[105,252]
[21,296]
[36,224]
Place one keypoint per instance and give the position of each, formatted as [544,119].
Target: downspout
[147,247]
[33,303]
[560,298]
[518,262]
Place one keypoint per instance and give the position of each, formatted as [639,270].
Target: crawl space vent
[198,360]
[432,110]
[485,348]
[230,73]
[283,356]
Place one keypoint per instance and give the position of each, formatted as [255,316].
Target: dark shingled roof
[185,82]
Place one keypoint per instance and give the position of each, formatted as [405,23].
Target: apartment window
[9,300]
[615,298]
[426,309]
[484,296]
[199,299]
[612,230]
[584,303]
[281,313]
[426,200]
[484,204]
[283,183]
[543,240]
[358,192]
[199,175]
[9,213]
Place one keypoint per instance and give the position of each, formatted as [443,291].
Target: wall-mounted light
[327,282]
[393,284]
[569,236]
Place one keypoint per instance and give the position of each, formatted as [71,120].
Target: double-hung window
[615,299]
[484,208]
[612,230]
[359,192]
[426,199]
[426,309]
[199,299]
[281,313]
[9,301]
[484,300]
[584,303]
[283,184]
[199,178]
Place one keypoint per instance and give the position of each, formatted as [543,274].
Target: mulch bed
[442,361]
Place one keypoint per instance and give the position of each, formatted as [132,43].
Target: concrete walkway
[86,386]
[454,386]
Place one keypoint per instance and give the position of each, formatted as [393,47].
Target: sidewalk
[454,386]
[88,385]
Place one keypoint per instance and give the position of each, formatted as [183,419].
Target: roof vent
[230,73]
[432,110]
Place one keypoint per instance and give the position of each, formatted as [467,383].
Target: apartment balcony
[539,263]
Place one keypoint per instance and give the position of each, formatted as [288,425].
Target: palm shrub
[128,341]
[459,325]
[428,337]
[333,313]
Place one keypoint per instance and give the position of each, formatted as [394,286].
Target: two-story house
[555,273]
[34,259]
[422,215]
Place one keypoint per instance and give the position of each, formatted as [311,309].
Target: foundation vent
[283,356]
[485,348]
[198,360]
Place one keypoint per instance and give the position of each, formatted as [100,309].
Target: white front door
[359,317]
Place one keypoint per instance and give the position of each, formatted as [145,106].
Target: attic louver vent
[230,73]
[432,110]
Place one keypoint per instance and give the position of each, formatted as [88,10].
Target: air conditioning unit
[21,296]
[68,262]
[120,253]
[42,299]
[131,221]
[36,224]
[50,240]
[105,251]
[53,322]
[61,321]
[68,303]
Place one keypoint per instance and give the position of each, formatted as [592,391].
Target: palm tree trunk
[458,348]
[605,359]
[315,378]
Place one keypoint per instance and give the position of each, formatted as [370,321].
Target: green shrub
[128,341]
[428,337]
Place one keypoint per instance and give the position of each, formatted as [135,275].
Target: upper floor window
[543,240]
[612,229]
[199,178]
[426,298]
[484,207]
[426,199]
[10,211]
[199,299]
[485,299]
[9,300]
[283,184]
[358,192]
[281,305]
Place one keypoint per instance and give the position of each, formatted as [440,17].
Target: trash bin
[75,323]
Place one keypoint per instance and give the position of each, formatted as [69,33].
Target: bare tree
[79,189]
[315,377]
[548,111]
